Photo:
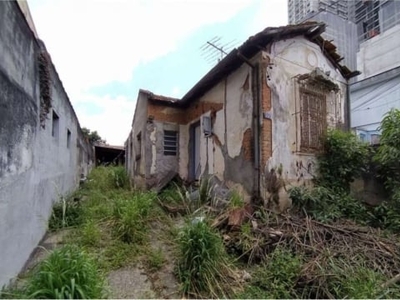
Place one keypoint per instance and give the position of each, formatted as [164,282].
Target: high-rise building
[338,15]
[299,10]
[375,16]
[377,89]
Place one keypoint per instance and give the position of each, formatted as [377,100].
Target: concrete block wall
[39,163]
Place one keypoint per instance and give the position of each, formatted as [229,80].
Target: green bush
[344,157]
[388,153]
[326,205]
[68,273]
[203,265]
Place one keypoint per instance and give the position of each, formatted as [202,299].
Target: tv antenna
[215,50]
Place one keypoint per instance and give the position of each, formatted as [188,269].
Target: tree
[92,136]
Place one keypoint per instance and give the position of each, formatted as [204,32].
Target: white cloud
[113,124]
[95,42]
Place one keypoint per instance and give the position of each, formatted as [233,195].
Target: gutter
[255,79]
[348,106]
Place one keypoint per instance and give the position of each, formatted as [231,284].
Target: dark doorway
[194,152]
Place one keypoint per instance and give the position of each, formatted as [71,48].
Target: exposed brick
[266,128]
[195,110]
[247,145]
[164,113]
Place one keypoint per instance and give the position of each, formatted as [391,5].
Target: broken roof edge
[156,97]
[153,97]
[310,30]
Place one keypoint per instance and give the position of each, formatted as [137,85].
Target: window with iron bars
[312,120]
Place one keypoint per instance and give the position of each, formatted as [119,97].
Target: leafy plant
[203,265]
[343,159]
[68,273]
[388,153]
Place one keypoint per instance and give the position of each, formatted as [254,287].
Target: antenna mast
[214,50]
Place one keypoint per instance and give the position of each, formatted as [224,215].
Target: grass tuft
[65,213]
[68,273]
[203,266]
[130,216]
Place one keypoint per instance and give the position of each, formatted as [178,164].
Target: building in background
[377,89]
[339,18]
[374,17]
[299,10]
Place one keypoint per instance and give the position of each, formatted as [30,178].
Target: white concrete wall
[371,103]
[36,168]
[379,54]
[288,59]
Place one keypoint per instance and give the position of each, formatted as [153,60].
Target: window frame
[170,143]
[312,144]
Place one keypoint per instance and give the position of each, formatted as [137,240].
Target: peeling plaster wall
[137,145]
[159,165]
[36,168]
[287,59]
[227,154]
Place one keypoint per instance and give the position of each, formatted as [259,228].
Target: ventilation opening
[68,138]
[55,125]
[170,142]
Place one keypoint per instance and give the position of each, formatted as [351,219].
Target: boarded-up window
[170,142]
[312,120]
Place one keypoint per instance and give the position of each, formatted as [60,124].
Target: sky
[106,50]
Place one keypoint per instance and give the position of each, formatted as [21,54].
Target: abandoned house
[254,121]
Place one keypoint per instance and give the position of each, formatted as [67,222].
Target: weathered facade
[42,149]
[254,121]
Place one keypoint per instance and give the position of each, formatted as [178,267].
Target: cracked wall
[282,65]
[36,166]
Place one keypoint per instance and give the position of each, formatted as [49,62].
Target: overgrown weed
[66,212]
[68,273]
[155,259]
[203,265]
[130,216]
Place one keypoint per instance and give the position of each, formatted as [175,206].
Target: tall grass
[203,265]
[130,216]
[65,213]
[68,273]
